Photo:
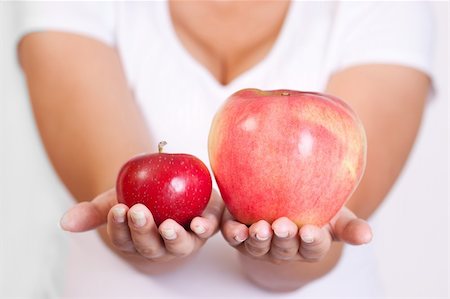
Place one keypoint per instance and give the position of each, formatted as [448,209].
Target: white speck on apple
[142,174]
[305,143]
[177,184]
[249,124]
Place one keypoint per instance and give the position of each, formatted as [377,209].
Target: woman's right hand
[133,230]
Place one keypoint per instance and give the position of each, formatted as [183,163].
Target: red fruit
[175,186]
[286,153]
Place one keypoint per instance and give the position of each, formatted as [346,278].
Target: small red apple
[286,153]
[175,186]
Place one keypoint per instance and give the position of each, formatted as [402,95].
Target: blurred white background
[411,231]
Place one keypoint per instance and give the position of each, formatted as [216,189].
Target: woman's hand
[133,231]
[283,241]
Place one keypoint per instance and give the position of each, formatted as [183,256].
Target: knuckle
[139,231]
[312,248]
[127,249]
[256,250]
[313,259]
[161,259]
[280,259]
[276,261]
[283,251]
[121,243]
[181,254]
[312,255]
[183,251]
[277,258]
[306,251]
[149,252]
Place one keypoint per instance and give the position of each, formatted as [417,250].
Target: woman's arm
[389,100]
[85,112]
[90,125]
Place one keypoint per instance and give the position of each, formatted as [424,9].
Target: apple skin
[175,186]
[286,153]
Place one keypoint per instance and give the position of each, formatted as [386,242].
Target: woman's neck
[228,37]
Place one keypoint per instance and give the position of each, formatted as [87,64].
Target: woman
[108,81]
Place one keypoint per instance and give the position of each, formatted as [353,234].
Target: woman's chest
[228,37]
[241,50]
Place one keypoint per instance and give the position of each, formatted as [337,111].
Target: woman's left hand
[284,241]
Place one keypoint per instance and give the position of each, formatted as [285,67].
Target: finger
[258,243]
[144,232]
[350,229]
[88,215]
[208,224]
[285,242]
[315,242]
[177,240]
[233,231]
[118,230]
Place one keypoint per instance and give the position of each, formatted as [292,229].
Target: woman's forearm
[87,118]
[389,100]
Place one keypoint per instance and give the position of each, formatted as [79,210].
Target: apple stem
[161,146]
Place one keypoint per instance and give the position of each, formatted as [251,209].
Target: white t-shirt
[179,97]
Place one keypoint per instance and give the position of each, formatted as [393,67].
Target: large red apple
[175,186]
[286,153]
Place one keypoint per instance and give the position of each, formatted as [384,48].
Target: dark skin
[105,128]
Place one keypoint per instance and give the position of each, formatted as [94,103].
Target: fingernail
[169,234]
[64,223]
[281,233]
[59,224]
[262,235]
[199,229]
[119,215]
[238,239]
[138,218]
[367,239]
[307,238]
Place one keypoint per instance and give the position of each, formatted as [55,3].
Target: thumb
[347,227]
[89,215]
